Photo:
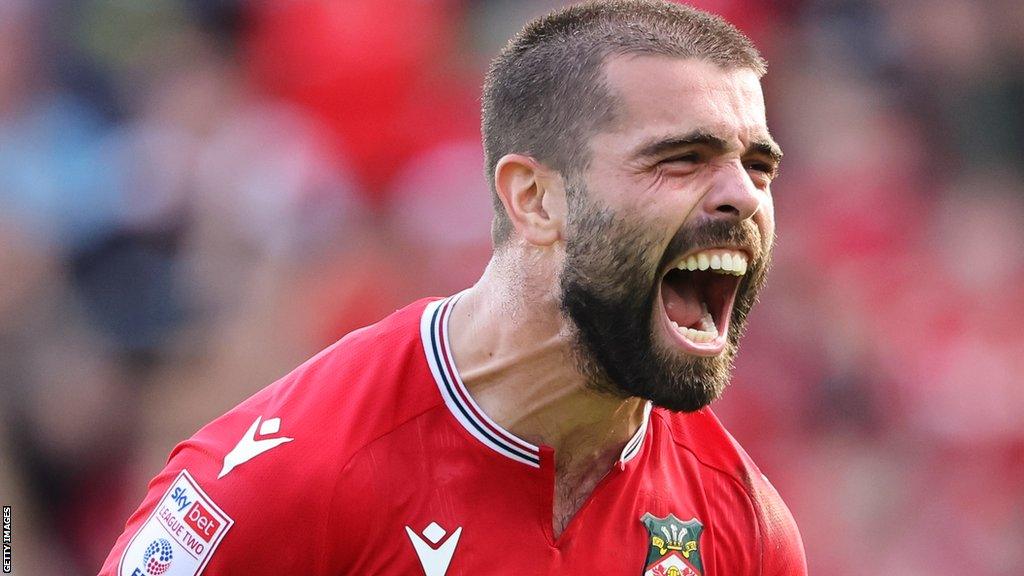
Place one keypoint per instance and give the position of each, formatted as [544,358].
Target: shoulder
[272,464]
[369,382]
[701,436]
[704,437]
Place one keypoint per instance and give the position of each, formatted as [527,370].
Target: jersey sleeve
[782,549]
[264,489]
[232,497]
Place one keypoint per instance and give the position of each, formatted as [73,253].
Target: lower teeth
[707,332]
[701,336]
[707,321]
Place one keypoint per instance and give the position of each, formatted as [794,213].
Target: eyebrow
[763,145]
[766,147]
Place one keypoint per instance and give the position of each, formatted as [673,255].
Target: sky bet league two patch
[674,546]
[180,536]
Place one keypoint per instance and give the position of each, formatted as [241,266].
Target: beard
[609,293]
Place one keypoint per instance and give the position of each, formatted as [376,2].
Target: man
[509,429]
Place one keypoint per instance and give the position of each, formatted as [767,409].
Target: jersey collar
[436,345]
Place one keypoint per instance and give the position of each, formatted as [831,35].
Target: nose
[733,196]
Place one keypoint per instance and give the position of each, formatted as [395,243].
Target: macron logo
[434,561]
[249,447]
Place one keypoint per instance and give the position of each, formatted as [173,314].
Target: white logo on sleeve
[249,447]
[434,561]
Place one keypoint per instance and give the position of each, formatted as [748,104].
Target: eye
[687,158]
[762,173]
[762,167]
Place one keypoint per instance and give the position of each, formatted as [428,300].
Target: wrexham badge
[674,546]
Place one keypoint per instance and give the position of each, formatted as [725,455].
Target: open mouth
[697,296]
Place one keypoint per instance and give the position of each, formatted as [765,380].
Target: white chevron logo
[249,447]
[434,561]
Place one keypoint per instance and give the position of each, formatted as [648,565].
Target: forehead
[661,94]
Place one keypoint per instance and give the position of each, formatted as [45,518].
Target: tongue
[682,303]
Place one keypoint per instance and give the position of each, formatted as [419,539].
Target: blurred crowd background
[197,195]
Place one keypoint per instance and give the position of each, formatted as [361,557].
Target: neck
[515,357]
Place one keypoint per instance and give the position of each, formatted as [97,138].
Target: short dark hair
[545,94]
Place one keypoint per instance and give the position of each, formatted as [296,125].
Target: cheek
[675,206]
[766,219]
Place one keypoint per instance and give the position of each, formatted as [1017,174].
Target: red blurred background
[197,195]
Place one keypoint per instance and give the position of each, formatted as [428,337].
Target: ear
[533,196]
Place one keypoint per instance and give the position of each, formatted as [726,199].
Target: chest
[456,512]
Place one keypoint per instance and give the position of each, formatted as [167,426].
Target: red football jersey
[372,458]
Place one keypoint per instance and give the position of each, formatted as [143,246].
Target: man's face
[670,230]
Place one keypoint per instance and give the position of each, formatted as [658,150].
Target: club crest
[674,546]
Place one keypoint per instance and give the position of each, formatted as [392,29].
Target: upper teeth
[723,261]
